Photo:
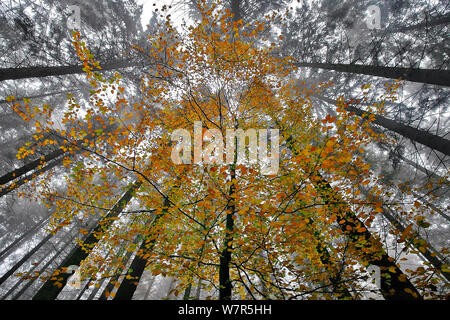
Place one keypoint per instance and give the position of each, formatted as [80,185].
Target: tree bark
[25,235]
[429,76]
[128,286]
[11,271]
[41,72]
[393,287]
[429,253]
[430,140]
[26,286]
[49,291]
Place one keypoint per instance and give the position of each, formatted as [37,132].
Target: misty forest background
[329,42]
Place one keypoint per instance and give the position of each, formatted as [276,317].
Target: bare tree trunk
[150,286]
[24,259]
[40,72]
[111,284]
[56,255]
[225,285]
[171,283]
[26,235]
[13,186]
[128,286]
[393,286]
[199,289]
[42,95]
[18,283]
[49,291]
[10,176]
[430,140]
[435,21]
[429,252]
[429,76]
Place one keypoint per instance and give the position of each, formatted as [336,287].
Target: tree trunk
[49,291]
[429,253]
[24,259]
[199,289]
[225,285]
[42,95]
[27,234]
[26,286]
[110,286]
[128,286]
[236,10]
[20,281]
[432,206]
[429,76]
[436,21]
[40,72]
[333,272]
[150,286]
[187,292]
[393,287]
[29,166]
[430,140]
[13,186]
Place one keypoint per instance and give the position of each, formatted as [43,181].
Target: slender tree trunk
[40,72]
[198,290]
[128,286]
[171,283]
[20,281]
[94,293]
[393,285]
[432,206]
[90,280]
[333,271]
[56,255]
[150,286]
[49,291]
[225,285]
[429,252]
[436,21]
[42,95]
[26,235]
[236,10]
[10,176]
[13,186]
[110,286]
[24,259]
[421,168]
[430,140]
[187,292]
[429,76]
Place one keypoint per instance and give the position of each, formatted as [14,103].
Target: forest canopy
[231,150]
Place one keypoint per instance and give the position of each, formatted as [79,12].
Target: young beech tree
[299,233]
